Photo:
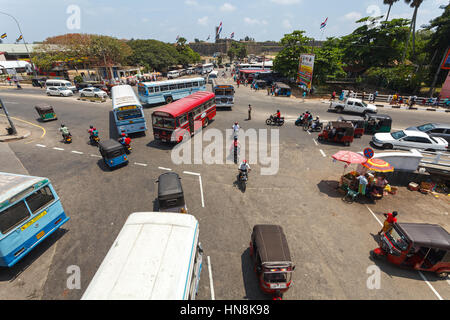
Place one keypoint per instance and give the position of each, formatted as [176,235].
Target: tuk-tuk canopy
[351,118]
[43,108]
[109,146]
[282,85]
[340,124]
[169,185]
[271,244]
[426,235]
[379,117]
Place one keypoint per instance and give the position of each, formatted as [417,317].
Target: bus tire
[169,100]
[205,123]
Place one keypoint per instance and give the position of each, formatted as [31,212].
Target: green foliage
[78,79]
[402,78]
[328,62]
[238,50]
[108,50]
[287,60]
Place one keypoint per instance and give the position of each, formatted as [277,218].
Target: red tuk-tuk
[358,124]
[272,259]
[337,131]
[418,246]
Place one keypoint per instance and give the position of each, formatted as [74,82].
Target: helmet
[245,161]
[394,213]
[62,125]
[94,128]
[91,126]
[307,111]
[236,122]
[278,110]
[317,117]
[123,134]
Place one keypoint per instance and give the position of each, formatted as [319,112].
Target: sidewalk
[5,137]
[9,162]
[389,106]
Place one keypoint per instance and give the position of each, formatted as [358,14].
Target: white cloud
[203,21]
[353,16]
[287,24]
[191,2]
[286,2]
[252,21]
[227,7]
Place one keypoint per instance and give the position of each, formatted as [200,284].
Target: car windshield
[62,88]
[397,239]
[426,127]
[398,135]
[364,104]
[129,114]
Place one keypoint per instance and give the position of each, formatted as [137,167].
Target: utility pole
[13,128]
[437,73]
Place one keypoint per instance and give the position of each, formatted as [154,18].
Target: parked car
[353,105]
[441,130]
[61,83]
[59,91]
[82,85]
[93,92]
[409,139]
[102,87]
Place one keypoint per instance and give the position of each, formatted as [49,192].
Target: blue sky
[164,20]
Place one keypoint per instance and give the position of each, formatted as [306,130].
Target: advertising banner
[446,63]
[305,70]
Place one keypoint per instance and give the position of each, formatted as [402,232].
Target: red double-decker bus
[175,121]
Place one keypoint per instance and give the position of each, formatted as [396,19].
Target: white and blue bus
[170,90]
[128,112]
[30,211]
[156,256]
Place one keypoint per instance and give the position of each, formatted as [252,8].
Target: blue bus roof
[169,82]
[11,184]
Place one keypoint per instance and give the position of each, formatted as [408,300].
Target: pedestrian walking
[249,112]
[268,91]
[9,80]
[304,95]
[363,95]
[390,220]
[238,82]
[375,96]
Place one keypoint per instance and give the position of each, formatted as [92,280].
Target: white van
[173,74]
[156,256]
[60,83]
[212,75]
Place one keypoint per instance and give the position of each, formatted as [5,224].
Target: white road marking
[420,273]
[315,142]
[77,152]
[201,190]
[56,148]
[10,102]
[308,132]
[41,145]
[192,173]
[323,153]
[211,284]
[162,168]
[95,156]
[140,164]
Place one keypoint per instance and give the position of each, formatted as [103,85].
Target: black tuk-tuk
[358,124]
[38,82]
[113,153]
[377,123]
[46,112]
[262,84]
[282,89]
[170,193]
[272,259]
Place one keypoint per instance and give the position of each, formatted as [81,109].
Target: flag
[324,24]
[178,37]
[232,35]
[19,38]
[220,28]
[3,36]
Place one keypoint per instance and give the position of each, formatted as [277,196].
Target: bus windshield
[129,114]
[223,92]
[163,122]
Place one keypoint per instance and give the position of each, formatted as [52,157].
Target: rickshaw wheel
[346,143]
[443,275]
[268,122]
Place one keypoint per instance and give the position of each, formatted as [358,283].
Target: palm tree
[390,3]
[413,4]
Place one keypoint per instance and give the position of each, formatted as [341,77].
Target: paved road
[329,240]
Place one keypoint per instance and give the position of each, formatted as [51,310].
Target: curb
[15,138]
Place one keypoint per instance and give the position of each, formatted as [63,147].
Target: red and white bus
[176,120]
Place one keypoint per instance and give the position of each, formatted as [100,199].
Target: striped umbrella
[378,165]
[349,157]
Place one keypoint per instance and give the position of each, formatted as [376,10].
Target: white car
[409,139]
[59,91]
[353,105]
[93,92]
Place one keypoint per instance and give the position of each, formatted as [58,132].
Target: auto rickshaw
[337,131]
[358,124]
[272,259]
[113,153]
[418,246]
[262,84]
[282,89]
[170,193]
[46,112]
[377,123]
[38,82]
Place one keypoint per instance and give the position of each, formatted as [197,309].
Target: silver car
[441,130]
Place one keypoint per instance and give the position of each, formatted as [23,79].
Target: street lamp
[20,30]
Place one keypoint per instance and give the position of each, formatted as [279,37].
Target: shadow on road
[10,274]
[251,285]
[330,188]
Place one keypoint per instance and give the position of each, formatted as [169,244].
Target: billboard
[305,70]
[446,63]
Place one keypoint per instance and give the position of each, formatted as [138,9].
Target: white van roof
[149,260]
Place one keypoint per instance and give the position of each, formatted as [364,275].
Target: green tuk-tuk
[46,112]
[282,89]
[377,123]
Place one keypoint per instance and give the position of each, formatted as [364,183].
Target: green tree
[390,3]
[153,54]
[238,50]
[287,60]
[413,4]
[328,61]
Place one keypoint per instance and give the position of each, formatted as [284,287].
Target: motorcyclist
[244,167]
[93,132]
[315,123]
[235,148]
[65,131]
[125,140]
[235,128]
[277,116]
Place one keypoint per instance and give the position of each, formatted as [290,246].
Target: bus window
[156,89]
[181,86]
[39,199]
[164,88]
[173,87]
[188,84]
[182,119]
[150,89]
[129,114]
[195,84]
[13,216]
[141,90]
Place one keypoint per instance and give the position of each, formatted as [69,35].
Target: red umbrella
[378,165]
[349,157]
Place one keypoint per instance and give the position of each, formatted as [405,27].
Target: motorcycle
[94,140]
[275,121]
[309,126]
[243,178]
[127,147]
[67,138]
[300,121]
